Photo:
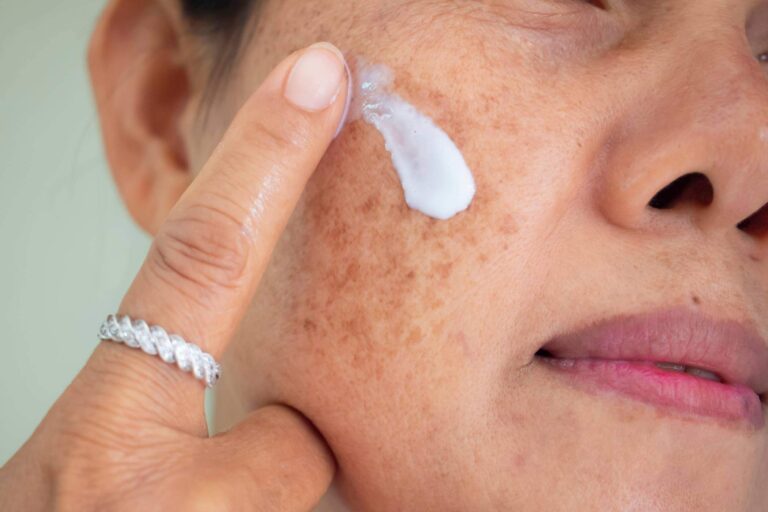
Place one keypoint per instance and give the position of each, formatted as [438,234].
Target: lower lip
[644,381]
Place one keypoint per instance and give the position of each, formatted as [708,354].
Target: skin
[408,342]
[129,433]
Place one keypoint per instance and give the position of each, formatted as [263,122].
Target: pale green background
[68,250]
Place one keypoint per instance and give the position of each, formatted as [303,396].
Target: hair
[217,16]
[223,22]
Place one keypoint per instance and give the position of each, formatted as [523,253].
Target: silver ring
[155,341]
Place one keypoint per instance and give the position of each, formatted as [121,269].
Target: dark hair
[224,22]
[216,16]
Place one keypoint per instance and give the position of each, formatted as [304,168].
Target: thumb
[273,460]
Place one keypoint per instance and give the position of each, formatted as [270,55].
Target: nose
[692,147]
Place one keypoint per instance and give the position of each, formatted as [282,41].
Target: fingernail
[348,102]
[315,81]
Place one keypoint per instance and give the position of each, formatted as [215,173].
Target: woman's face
[409,342]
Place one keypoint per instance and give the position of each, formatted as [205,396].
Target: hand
[129,433]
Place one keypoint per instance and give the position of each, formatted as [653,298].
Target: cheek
[394,311]
[385,271]
[401,331]
[380,290]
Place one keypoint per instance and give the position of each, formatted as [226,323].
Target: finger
[208,256]
[273,460]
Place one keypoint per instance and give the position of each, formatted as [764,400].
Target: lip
[619,355]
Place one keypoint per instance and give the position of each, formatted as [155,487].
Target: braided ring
[156,341]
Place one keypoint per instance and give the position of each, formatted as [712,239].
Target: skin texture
[127,433]
[408,342]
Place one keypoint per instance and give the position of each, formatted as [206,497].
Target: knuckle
[206,247]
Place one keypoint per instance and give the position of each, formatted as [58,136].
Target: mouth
[676,360]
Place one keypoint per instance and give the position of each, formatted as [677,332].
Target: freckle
[436,304]
[392,263]
[414,337]
[337,234]
[438,329]
[470,237]
[353,271]
[515,418]
[483,257]
[432,299]
[309,326]
[443,269]
[410,275]
[505,246]
[507,225]
[370,204]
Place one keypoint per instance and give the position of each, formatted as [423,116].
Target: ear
[145,100]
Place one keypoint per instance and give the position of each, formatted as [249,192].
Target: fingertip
[315,81]
[317,77]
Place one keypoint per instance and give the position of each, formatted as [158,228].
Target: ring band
[156,341]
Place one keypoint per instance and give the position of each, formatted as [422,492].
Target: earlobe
[143,94]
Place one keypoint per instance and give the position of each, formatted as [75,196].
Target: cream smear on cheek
[435,177]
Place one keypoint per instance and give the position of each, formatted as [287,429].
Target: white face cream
[435,178]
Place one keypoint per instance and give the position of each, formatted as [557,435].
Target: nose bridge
[726,102]
[703,109]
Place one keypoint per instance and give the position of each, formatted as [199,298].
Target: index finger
[208,256]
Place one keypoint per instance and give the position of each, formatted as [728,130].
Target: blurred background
[68,249]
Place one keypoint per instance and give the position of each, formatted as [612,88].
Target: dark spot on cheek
[353,272]
[370,204]
[436,303]
[437,328]
[442,270]
[470,237]
[696,300]
[415,336]
[310,327]
[338,233]
[507,225]
[356,324]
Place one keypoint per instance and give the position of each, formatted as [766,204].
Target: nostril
[600,4]
[756,225]
[693,188]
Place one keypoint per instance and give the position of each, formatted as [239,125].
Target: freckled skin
[407,340]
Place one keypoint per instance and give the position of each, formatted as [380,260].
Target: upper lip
[734,351]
